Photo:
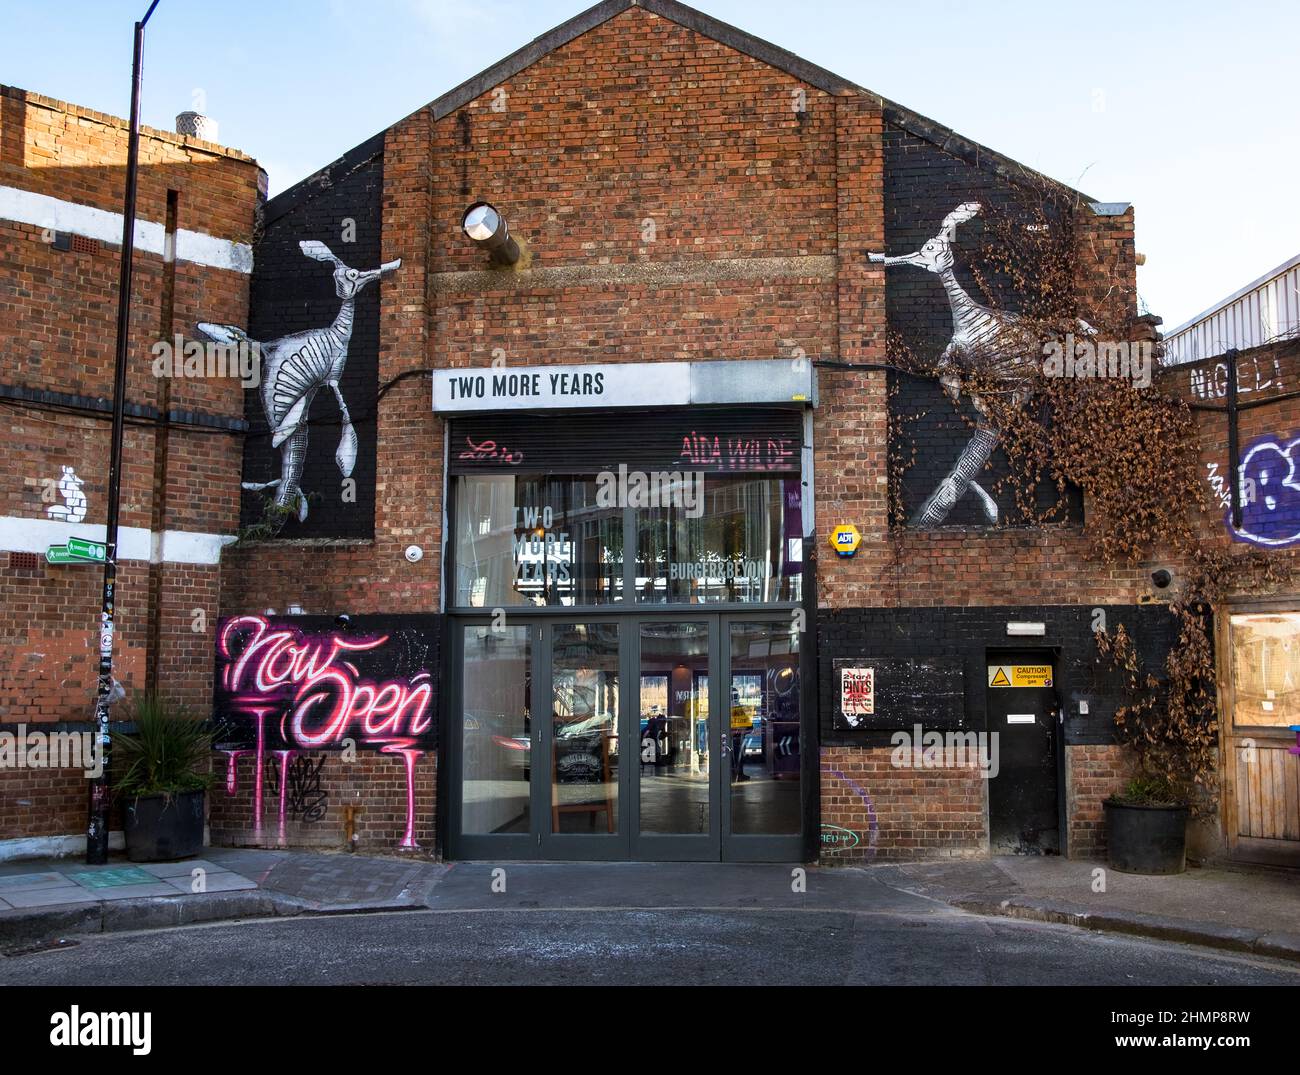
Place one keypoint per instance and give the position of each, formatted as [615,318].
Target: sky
[1185,108]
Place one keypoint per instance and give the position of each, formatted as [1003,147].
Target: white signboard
[628,384]
[623,384]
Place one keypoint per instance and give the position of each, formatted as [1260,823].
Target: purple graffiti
[873,824]
[1270,494]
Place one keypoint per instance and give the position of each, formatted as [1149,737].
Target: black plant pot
[1146,839]
[160,828]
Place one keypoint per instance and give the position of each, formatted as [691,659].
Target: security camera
[342,621]
[1162,578]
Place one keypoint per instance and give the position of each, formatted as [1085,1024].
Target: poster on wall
[857,694]
[307,683]
[874,694]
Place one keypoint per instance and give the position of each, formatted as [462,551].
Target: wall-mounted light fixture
[1024,627]
[485,227]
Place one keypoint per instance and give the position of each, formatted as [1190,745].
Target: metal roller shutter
[715,440]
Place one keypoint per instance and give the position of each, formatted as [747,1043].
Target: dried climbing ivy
[1131,450]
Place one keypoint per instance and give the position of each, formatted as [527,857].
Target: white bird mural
[295,368]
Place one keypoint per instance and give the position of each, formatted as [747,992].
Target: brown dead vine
[1130,448]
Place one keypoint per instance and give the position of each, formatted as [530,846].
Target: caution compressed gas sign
[1020,675]
[845,539]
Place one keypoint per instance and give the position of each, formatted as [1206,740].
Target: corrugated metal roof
[1261,311]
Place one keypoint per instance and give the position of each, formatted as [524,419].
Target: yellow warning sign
[1020,675]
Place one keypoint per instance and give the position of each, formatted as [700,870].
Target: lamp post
[97,825]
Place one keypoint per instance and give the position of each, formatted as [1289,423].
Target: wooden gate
[1259,689]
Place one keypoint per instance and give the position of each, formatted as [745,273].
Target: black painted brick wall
[922,186]
[292,293]
[967,633]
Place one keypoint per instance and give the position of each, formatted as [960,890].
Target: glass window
[496,743]
[1266,668]
[674,728]
[738,541]
[545,540]
[584,746]
[764,729]
[535,540]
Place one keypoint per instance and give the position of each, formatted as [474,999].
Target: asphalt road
[547,946]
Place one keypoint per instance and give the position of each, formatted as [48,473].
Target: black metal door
[1024,738]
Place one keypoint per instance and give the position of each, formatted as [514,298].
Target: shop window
[535,540]
[540,540]
[1265,669]
[737,539]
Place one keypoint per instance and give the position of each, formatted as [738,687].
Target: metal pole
[1234,460]
[97,825]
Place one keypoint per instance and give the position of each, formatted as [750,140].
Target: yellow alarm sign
[845,539]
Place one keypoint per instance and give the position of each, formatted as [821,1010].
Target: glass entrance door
[628,737]
[677,813]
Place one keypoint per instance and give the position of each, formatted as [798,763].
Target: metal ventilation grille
[76,244]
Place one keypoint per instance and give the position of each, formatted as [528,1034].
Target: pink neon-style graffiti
[323,702]
[284,756]
[329,702]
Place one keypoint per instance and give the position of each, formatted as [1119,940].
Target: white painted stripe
[22,534]
[42,211]
[41,847]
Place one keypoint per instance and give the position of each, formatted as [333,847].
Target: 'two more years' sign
[885,693]
[308,683]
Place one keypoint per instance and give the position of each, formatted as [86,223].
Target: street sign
[87,550]
[845,539]
[58,554]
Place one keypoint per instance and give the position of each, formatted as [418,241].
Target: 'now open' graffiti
[303,684]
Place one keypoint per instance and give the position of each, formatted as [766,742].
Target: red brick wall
[900,814]
[57,330]
[373,784]
[1093,774]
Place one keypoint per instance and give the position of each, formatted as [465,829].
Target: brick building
[1256,626]
[61,178]
[644,429]
[694,211]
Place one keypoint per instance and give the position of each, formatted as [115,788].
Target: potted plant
[1146,826]
[166,770]
[1171,726]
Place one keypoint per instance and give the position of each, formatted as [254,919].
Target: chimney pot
[197,125]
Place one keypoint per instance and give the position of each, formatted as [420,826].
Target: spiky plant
[169,753]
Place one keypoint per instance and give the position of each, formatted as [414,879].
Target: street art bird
[295,368]
[995,341]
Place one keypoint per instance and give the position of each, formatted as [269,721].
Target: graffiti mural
[305,684]
[294,369]
[1270,493]
[996,340]
[73,508]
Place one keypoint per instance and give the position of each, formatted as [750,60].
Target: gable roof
[945,138]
